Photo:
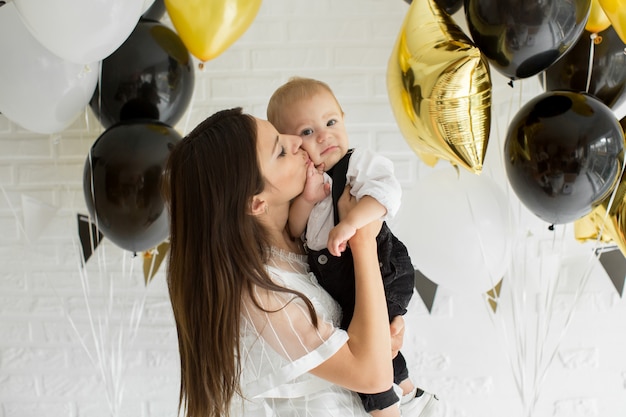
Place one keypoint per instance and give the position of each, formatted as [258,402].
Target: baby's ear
[258,206]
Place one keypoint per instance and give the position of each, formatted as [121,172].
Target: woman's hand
[396,329]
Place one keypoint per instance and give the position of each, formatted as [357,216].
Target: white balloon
[81,31]
[38,90]
[460,230]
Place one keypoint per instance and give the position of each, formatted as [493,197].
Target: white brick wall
[458,350]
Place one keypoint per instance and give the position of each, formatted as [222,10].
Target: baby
[308,108]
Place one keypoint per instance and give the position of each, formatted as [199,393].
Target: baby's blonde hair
[295,89]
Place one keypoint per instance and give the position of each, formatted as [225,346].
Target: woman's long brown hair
[217,253]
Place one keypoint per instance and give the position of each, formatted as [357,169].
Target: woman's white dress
[278,349]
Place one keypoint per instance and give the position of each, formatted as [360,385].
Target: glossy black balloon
[522,38]
[562,154]
[156,11]
[150,76]
[121,183]
[449,6]
[608,70]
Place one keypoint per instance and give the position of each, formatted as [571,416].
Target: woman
[257,335]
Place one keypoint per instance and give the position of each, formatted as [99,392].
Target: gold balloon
[439,87]
[606,223]
[586,229]
[598,20]
[152,260]
[615,10]
[208,28]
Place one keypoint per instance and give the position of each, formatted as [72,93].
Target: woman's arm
[363,364]
[299,212]
[396,329]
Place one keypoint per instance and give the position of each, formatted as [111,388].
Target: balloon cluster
[137,76]
[563,151]
[144,88]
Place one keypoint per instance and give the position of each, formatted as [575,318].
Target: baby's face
[318,120]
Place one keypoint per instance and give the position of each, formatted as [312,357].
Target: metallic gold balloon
[152,260]
[585,229]
[608,223]
[615,10]
[607,226]
[598,20]
[208,28]
[439,87]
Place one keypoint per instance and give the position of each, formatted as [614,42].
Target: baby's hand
[315,189]
[338,238]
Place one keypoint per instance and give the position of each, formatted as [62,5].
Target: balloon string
[577,296]
[593,36]
[543,366]
[95,217]
[97,341]
[109,342]
[87,123]
[515,337]
[100,91]
[546,325]
[480,240]
[99,360]
[519,316]
[17,219]
[520,311]
[508,348]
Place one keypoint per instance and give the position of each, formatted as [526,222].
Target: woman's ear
[258,206]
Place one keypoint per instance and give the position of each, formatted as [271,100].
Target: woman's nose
[297,142]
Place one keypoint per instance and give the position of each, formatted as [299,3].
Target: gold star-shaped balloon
[439,87]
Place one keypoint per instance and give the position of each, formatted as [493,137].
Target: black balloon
[122,179]
[562,154]
[150,76]
[608,74]
[522,38]
[449,6]
[156,11]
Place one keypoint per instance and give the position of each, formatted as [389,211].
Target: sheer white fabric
[279,348]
